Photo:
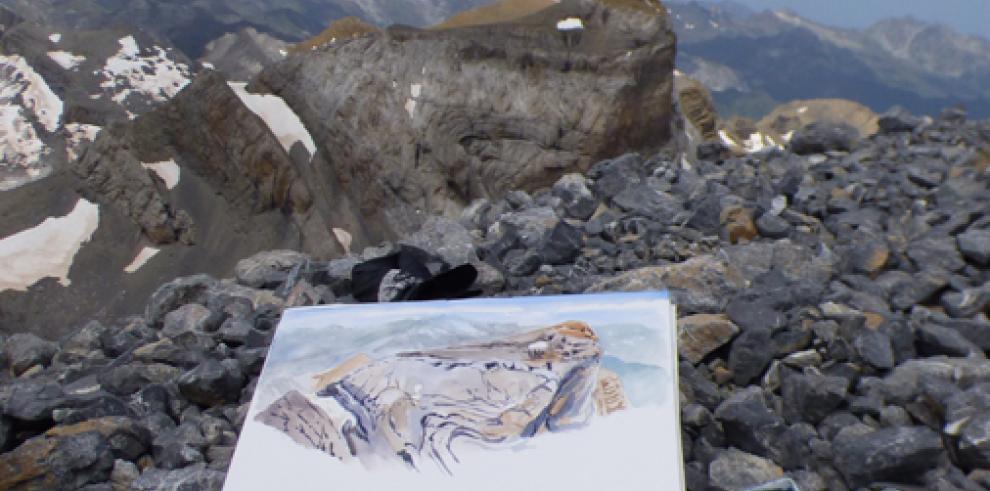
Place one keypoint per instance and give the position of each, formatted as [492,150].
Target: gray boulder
[212,383]
[25,350]
[268,269]
[821,137]
[975,245]
[577,200]
[891,454]
[735,470]
[193,478]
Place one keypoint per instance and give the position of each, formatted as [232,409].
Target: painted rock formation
[426,406]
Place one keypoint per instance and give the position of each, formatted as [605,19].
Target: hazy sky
[971,16]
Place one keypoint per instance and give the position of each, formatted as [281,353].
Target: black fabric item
[452,284]
[366,277]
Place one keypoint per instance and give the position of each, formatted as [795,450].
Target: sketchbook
[573,392]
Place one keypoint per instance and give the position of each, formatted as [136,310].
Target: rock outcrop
[431,119]
[243,54]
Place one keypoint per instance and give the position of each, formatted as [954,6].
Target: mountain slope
[753,60]
[191,24]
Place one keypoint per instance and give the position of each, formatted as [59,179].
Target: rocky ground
[833,302]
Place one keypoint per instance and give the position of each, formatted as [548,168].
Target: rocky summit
[831,265]
[833,320]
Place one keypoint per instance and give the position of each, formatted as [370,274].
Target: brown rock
[795,115]
[738,225]
[698,335]
[69,457]
[695,104]
[700,284]
[495,12]
[338,30]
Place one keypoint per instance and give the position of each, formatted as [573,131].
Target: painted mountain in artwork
[420,408]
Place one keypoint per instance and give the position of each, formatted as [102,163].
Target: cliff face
[411,407]
[432,119]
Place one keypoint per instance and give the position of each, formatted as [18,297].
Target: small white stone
[570,24]
[778,204]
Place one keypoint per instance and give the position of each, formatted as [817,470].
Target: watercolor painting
[568,392]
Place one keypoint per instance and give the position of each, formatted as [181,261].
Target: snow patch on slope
[167,170]
[19,79]
[756,142]
[280,118]
[55,37]
[48,249]
[24,96]
[142,257]
[65,59]
[154,75]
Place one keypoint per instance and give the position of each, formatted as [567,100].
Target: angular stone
[750,354]
[191,317]
[891,454]
[123,474]
[933,340]
[755,313]
[166,351]
[615,175]
[875,349]
[968,302]
[975,245]
[868,255]
[56,462]
[193,478]
[701,284]
[31,400]
[773,226]
[6,432]
[734,470]
[645,201]
[576,198]
[82,344]
[172,295]
[125,437]
[898,120]
[821,137]
[812,397]
[940,253]
[749,425]
[235,332]
[562,244]
[268,269]
[124,380]
[700,334]
[212,383]
[445,238]
[531,226]
[25,350]
[974,441]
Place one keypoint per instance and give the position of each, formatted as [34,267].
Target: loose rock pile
[833,319]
